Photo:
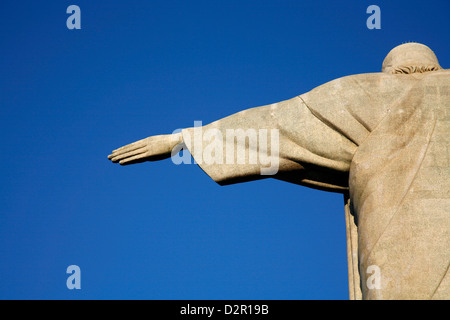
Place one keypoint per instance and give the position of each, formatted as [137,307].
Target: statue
[381,139]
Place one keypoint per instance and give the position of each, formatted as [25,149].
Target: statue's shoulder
[373,77]
[439,78]
[360,78]
[364,80]
[444,73]
[377,83]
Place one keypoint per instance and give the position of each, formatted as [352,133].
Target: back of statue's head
[410,58]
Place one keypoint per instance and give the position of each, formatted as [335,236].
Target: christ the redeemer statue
[381,139]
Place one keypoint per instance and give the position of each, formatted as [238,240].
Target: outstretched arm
[289,142]
[149,149]
[308,140]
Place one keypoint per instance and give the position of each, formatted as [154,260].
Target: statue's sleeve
[307,140]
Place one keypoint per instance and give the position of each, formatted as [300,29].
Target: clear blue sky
[139,68]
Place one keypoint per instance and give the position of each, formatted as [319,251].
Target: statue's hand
[149,149]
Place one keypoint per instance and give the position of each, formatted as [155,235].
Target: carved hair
[413,69]
[410,58]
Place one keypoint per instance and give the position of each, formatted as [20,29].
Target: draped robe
[384,141]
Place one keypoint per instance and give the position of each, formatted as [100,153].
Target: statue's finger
[132,159]
[131,146]
[126,150]
[128,154]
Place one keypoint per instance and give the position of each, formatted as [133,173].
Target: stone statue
[381,139]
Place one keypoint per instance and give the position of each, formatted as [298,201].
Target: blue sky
[139,68]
